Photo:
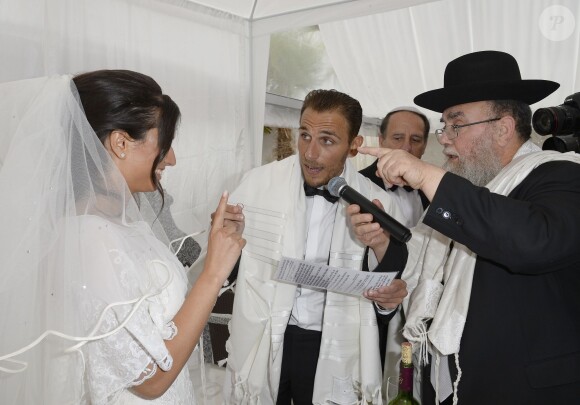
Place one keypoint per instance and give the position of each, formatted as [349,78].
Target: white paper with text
[335,279]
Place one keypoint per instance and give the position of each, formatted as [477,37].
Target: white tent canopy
[211,56]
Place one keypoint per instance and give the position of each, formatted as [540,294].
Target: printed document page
[335,279]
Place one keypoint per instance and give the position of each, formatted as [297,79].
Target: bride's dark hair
[131,102]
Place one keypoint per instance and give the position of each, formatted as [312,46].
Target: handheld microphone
[337,187]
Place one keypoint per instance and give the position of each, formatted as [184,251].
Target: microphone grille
[335,184]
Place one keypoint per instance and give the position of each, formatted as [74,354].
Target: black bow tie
[312,191]
[395,187]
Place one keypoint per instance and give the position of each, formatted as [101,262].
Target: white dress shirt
[308,308]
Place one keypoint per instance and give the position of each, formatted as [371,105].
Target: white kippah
[407,108]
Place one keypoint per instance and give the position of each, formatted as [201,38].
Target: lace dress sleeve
[133,291]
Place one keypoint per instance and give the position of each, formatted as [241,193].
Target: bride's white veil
[53,171]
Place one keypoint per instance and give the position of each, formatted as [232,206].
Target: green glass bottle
[405,394]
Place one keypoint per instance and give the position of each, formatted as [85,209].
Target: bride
[95,307]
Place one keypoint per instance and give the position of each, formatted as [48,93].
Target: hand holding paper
[388,296]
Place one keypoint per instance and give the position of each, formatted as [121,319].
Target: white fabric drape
[214,63]
[198,56]
[260,49]
[385,60]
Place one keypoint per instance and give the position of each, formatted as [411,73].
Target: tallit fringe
[437,363]
[456,383]
[437,357]
[418,336]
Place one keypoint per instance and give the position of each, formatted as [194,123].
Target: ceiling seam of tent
[193,5]
[253,10]
[322,6]
[346,10]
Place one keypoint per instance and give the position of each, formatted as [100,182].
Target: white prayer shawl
[349,368]
[439,281]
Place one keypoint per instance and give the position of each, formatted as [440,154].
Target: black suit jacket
[521,342]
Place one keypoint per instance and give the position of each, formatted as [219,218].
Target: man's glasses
[452,131]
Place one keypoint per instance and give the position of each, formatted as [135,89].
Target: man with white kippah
[405,128]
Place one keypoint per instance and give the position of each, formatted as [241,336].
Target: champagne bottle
[405,394]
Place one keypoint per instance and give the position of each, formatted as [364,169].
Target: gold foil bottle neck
[406,353]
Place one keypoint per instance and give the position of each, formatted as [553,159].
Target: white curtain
[385,60]
[214,64]
[199,57]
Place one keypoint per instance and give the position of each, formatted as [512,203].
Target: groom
[294,344]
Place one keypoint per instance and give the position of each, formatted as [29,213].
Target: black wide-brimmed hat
[482,76]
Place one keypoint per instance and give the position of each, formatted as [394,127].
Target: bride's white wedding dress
[134,260]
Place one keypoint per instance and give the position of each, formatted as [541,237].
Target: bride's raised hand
[225,242]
